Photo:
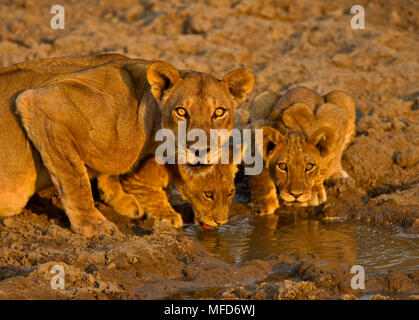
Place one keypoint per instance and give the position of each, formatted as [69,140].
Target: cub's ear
[324,140]
[161,76]
[240,83]
[272,140]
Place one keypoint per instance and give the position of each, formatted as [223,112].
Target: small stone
[111,266]
[380,297]
[134,12]
[91,269]
[342,60]
[8,222]
[408,157]
[349,297]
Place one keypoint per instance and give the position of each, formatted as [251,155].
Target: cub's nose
[220,221]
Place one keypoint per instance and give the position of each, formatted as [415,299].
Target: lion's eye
[282,166]
[231,192]
[209,195]
[181,112]
[219,112]
[310,166]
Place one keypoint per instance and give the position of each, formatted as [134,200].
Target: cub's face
[210,190]
[198,100]
[295,162]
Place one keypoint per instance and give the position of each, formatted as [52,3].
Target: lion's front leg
[148,185]
[157,205]
[112,193]
[263,194]
[69,175]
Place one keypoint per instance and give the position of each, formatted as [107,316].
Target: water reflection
[335,242]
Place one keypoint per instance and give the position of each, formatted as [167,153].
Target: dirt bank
[147,263]
[285,43]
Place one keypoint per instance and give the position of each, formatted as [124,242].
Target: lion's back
[16,154]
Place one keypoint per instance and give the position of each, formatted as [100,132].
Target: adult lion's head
[297,164]
[199,99]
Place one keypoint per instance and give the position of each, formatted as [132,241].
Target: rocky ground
[285,43]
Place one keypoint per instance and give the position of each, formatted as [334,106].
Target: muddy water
[337,243]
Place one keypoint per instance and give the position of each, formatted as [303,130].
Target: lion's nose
[296,194]
[220,221]
[203,151]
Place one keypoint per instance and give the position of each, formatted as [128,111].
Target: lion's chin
[295,203]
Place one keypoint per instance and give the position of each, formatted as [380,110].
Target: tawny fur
[149,182]
[66,120]
[303,129]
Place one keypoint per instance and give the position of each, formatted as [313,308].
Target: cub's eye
[231,192]
[209,195]
[181,112]
[282,166]
[219,112]
[310,166]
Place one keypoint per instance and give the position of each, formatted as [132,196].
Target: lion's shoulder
[303,109]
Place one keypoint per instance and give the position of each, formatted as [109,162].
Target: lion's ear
[240,83]
[323,139]
[161,76]
[272,139]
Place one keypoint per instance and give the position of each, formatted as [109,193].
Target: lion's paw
[94,225]
[175,220]
[127,205]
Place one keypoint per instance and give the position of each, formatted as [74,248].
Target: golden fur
[304,138]
[209,189]
[67,120]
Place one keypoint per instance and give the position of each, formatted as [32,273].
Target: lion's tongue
[205,226]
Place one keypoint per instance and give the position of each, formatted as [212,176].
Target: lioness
[72,119]
[304,138]
[208,188]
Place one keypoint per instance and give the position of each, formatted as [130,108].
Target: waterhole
[335,243]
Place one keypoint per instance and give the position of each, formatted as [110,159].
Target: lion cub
[208,188]
[303,141]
